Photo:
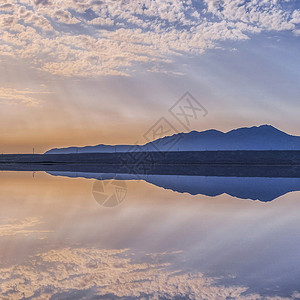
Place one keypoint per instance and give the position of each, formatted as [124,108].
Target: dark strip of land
[206,163]
[182,157]
[156,169]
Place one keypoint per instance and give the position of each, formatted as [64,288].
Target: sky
[89,72]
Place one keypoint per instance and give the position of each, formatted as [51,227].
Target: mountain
[264,137]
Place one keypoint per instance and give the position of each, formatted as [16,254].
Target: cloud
[12,227]
[26,97]
[49,34]
[6,7]
[296,17]
[109,273]
[64,17]
[102,21]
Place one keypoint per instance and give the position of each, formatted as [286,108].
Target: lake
[106,236]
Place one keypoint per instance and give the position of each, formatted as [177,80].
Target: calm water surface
[59,240]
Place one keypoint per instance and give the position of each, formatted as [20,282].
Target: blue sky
[90,72]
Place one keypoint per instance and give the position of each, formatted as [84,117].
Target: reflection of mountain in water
[254,188]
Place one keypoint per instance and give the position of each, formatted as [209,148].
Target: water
[151,237]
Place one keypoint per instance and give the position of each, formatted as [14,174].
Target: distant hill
[264,137]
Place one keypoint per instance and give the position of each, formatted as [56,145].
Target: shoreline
[239,157]
[208,163]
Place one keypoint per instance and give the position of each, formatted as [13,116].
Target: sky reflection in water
[57,241]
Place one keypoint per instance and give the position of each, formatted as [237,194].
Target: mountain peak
[266,127]
[257,130]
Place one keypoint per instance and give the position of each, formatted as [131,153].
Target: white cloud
[297,32]
[64,16]
[296,17]
[123,33]
[6,7]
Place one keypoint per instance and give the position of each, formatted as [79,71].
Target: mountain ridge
[263,137]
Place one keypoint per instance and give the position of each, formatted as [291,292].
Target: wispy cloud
[12,227]
[91,38]
[27,97]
